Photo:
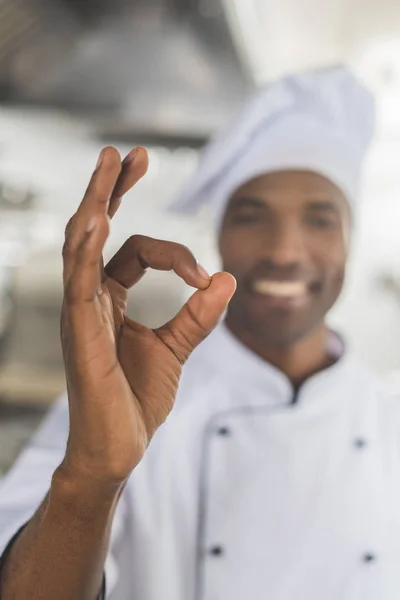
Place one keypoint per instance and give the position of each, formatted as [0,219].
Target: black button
[360,443]
[216,550]
[368,557]
[224,431]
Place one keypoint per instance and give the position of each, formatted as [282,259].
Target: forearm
[61,552]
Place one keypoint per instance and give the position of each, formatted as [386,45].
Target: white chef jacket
[245,494]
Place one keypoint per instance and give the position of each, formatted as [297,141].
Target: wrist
[86,497]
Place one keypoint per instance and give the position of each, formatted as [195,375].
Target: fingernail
[91,225]
[203,272]
[100,159]
[130,157]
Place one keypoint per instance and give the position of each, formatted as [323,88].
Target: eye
[321,222]
[246,217]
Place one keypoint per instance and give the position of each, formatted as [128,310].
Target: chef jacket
[248,490]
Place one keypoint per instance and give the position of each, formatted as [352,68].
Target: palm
[142,361]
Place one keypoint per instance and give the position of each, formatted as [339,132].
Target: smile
[281,289]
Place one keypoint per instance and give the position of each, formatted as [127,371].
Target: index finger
[94,205]
[140,252]
[97,196]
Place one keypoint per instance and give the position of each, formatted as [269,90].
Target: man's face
[284,237]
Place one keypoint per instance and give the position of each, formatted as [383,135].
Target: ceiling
[278,36]
[175,70]
[147,67]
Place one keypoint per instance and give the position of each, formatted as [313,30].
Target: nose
[285,245]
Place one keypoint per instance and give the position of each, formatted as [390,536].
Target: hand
[122,377]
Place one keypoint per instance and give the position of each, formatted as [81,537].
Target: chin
[281,337]
[277,330]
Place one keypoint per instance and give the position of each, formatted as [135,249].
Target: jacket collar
[243,370]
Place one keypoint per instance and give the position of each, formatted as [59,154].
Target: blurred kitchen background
[78,74]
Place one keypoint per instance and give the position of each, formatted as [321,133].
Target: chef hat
[319,121]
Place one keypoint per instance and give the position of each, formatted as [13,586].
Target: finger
[198,317]
[95,202]
[83,287]
[140,252]
[134,167]
[97,196]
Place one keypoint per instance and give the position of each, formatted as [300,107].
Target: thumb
[198,317]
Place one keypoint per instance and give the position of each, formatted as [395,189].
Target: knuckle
[107,224]
[194,320]
[138,245]
[64,332]
[184,251]
[136,240]
[66,249]
[177,342]
[86,262]
[69,225]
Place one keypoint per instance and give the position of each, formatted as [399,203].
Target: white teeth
[283,289]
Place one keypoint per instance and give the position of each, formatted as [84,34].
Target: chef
[277,474]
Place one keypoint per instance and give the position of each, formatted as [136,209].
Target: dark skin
[286,227]
[122,379]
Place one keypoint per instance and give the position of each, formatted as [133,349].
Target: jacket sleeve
[24,487]
[26,484]
[151,553]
